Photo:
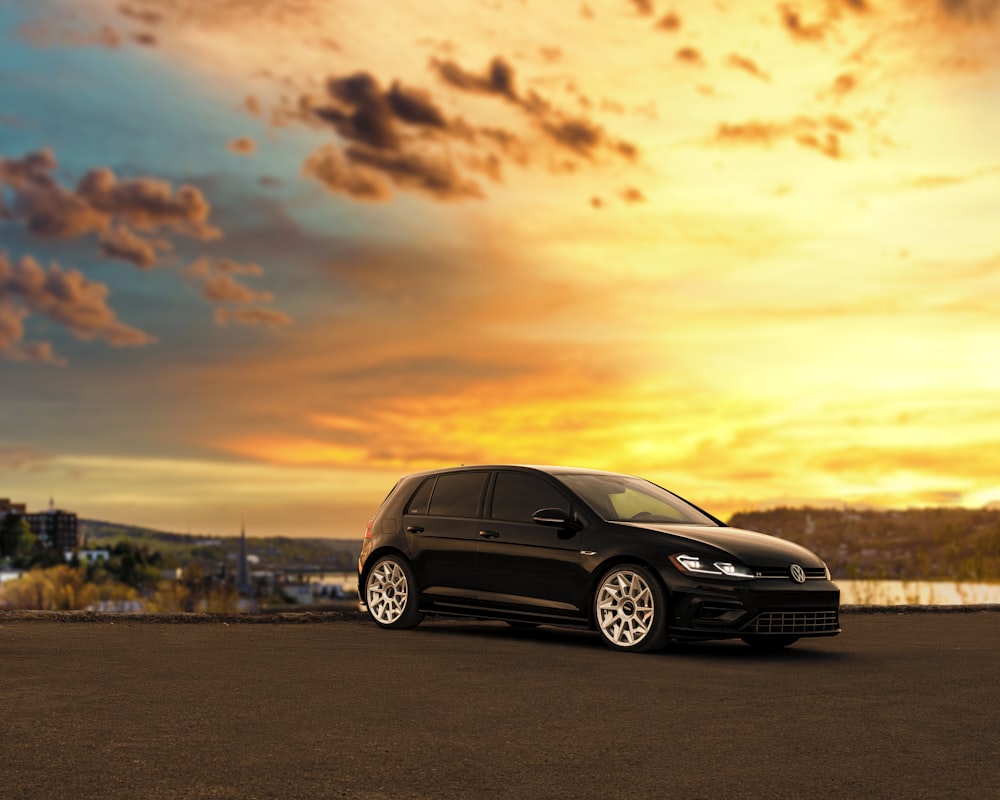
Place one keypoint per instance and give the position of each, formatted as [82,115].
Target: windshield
[622,498]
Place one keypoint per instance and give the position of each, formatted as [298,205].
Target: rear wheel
[391,594]
[766,644]
[630,610]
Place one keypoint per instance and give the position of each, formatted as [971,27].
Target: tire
[769,644]
[391,594]
[630,610]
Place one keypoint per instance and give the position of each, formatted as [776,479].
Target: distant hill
[917,543]
[913,544]
[180,549]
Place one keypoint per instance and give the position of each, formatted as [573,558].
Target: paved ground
[899,706]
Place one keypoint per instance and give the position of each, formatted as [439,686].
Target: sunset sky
[260,257]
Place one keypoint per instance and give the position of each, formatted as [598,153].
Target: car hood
[751,548]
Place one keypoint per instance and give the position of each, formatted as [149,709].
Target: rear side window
[517,497]
[457,494]
[421,500]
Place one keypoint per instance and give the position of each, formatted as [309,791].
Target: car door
[522,564]
[441,524]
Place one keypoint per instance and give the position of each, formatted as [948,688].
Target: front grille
[794,622]
[812,573]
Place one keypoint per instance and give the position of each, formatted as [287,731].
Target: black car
[582,548]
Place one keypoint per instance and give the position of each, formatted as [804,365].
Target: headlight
[702,566]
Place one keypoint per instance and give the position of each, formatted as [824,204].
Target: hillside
[922,543]
[918,543]
[179,550]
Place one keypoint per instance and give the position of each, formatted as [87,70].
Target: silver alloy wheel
[387,591]
[625,608]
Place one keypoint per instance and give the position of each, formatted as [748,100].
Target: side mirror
[556,518]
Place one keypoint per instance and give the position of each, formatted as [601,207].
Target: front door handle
[489,534]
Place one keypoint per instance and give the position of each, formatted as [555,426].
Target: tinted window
[517,497]
[420,501]
[627,499]
[457,494]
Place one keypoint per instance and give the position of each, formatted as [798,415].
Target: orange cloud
[243,145]
[99,200]
[747,65]
[65,297]
[823,135]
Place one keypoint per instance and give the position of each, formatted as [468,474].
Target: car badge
[798,574]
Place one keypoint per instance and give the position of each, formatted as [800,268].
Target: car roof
[551,470]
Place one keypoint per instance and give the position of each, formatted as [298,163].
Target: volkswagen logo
[798,574]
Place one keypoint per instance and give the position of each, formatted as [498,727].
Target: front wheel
[630,610]
[391,594]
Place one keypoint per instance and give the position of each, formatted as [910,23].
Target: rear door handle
[414,529]
[489,534]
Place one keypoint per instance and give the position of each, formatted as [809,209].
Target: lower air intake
[794,622]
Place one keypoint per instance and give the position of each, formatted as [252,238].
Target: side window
[421,500]
[457,494]
[517,497]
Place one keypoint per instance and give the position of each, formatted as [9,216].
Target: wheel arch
[618,560]
[373,557]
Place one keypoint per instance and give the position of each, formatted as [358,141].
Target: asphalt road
[898,706]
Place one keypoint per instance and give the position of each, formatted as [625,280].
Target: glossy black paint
[546,572]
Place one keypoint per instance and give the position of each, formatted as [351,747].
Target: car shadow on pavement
[818,649]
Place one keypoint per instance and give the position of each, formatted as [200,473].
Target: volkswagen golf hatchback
[589,549]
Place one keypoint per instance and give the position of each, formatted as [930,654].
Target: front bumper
[760,607]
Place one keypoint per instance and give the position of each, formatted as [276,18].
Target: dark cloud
[829,14]
[65,33]
[415,107]
[148,203]
[219,286]
[823,135]
[436,177]
[366,114]
[329,166]
[141,15]
[747,65]
[572,132]
[121,243]
[497,80]
[268,317]
[12,344]
[578,135]
[689,55]
[669,22]
[363,113]
[99,201]
[243,145]
[401,138]
[232,297]
[389,134]
[65,297]
[128,218]
[799,29]
[844,84]
[970,10]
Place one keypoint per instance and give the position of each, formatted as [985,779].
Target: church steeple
[242,573]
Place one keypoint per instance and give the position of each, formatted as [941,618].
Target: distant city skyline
[259,258]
